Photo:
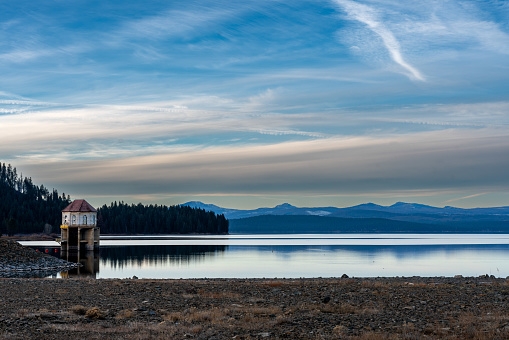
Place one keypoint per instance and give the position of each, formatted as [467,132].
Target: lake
[293,256]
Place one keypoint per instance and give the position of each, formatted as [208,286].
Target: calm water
[294,256]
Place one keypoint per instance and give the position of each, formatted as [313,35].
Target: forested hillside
[27,208]
[121,218]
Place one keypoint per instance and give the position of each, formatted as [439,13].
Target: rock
[344,276]
[15,258]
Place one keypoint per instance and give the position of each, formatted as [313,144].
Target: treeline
[26,207]
[121,218]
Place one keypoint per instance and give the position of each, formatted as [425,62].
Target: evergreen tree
[28,208]
[25,207]
[139,219]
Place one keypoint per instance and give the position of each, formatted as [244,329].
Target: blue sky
[249,104]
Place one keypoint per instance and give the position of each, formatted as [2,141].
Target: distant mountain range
[369,217]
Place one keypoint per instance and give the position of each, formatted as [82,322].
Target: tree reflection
[157,255]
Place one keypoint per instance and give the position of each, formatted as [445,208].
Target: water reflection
[263,258]
[304,261]
[89,261]
[120,256]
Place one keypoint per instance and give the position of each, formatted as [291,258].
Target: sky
[247,104]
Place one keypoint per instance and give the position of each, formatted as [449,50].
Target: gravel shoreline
[16,261]
[333,308]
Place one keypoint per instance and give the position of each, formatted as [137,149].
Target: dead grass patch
[196,329]
[95,313]
[340,331]
[485,326]
[374,284]
[343,308]
[264,310]
[192,315]
[124,314]
[218,295]
[376,336]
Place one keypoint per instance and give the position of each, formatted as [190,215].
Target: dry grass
[374,284]
[192,315]
[218,295]
[94,313]
[124,314]
[340,308]
[378,336]
[264,311]
[239,318]
[340,331]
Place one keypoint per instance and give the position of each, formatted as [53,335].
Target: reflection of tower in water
[89,261]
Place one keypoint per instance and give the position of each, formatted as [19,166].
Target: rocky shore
[335,308]
[16,259]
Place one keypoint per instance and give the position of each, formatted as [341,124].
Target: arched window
[85,219]
[93,219]
[73,219]
[65,220]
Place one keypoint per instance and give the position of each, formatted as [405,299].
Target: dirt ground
[346,308]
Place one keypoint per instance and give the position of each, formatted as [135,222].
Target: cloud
[22,56]
[444,161]
[442,37]
[175,23]
[36,129]
[466,197]
[369,16]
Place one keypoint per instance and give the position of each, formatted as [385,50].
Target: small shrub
[94,313]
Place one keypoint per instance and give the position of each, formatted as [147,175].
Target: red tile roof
[79,206]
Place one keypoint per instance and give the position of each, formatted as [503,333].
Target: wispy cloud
[466,197]
[453,160]
[174,23]
[101,131]
[368,16]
